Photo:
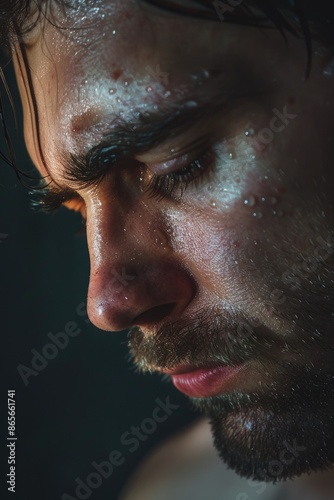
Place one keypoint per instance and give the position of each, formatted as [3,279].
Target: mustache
[212,337]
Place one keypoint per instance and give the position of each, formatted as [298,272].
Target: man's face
[210,229]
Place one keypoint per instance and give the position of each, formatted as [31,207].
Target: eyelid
[170,165]
[181,156]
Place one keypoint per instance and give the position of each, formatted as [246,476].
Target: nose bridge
[136,278]
[120,233]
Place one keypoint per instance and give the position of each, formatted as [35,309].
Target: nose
[134,279]
[121,296]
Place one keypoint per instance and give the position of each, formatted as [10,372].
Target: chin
[267,440]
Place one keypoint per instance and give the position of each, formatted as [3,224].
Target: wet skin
[238,265]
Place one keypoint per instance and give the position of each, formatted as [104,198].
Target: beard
[277,433]
[284,427]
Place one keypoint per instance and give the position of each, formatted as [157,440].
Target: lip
[206,381]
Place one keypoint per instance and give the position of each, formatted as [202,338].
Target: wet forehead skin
[243,239]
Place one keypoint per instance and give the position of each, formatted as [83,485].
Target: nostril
[155,314]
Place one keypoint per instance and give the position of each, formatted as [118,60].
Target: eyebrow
[144,132]
[202,9]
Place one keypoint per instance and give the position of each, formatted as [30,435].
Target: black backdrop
[72,410]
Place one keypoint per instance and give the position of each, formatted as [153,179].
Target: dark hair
[303,18]
[298,16]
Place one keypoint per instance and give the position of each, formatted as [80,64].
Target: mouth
[204,382]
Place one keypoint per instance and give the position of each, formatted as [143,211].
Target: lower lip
[203,383]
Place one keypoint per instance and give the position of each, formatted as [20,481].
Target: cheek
[246,192]
[258,230]
[229,231]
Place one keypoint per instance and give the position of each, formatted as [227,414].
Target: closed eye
[191,172]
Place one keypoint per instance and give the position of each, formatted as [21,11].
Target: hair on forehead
[299,16]
[15,16]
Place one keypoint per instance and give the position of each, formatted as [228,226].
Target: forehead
[99,59]
[95,63]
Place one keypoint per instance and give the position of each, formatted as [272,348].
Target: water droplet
[248,425]
[191,104]
[213,203]
[126,83]
[200,75]
[119,100]
[277,213]
[249,132]
[126,298]
[114,32]
[172,150]
[258,215]
[255,242]
[236,262]
[250,201]
[112,91]
[148,89]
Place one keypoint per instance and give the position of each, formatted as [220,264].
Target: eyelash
[161,186]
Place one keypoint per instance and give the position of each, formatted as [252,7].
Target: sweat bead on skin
[200,156]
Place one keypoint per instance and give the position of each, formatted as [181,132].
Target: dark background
[73,411]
